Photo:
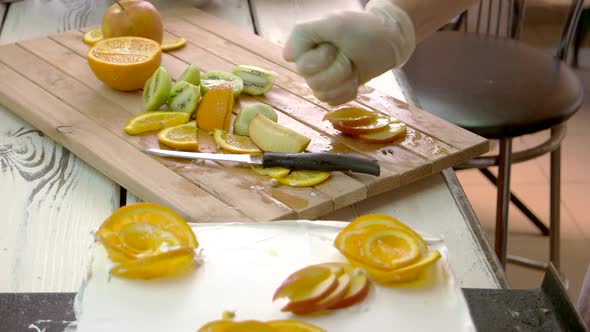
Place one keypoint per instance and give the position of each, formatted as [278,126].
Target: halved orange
[124,63]
[182,137]
[235,143]
[147,240]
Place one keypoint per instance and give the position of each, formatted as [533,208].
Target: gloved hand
[339,52]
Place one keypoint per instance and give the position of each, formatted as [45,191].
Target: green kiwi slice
[257,81]
[192,75]
[212,79]
[156,90]
[183,97]
[248,113]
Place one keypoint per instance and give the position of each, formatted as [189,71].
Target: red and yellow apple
[133,18]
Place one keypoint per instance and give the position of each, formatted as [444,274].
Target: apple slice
[334,297]
[272,137]
[377,124]
[394,132]
[350,116]
[307,286]
[357,291]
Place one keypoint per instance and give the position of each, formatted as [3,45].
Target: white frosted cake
[242,266]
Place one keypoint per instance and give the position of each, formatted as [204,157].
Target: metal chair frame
[505,158]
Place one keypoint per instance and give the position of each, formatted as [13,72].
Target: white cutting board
[243,265]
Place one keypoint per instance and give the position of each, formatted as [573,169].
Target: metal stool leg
[503,199]
[555,202]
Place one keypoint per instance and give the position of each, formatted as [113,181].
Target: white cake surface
[242,266]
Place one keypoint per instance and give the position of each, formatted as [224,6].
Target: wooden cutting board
[48,83]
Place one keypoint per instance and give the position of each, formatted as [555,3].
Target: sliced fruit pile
[321,287]
[285,325]
[365,125]
[388,250]
[147,241]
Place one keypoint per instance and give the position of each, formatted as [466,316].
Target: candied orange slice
[351,116]
[173,44]
[124,63]
[93,36]
[156,120]
[215,108]
[182,137]
[147,240]
[235,143]
[290,325]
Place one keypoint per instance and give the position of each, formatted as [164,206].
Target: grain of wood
[48,209]
[113,118]
[272,59]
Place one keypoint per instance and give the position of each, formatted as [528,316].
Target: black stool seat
[494,87]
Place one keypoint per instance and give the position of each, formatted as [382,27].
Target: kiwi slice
[183,97]
[257,81]
[248,113]
[192,75]
[212,79]
[156,90]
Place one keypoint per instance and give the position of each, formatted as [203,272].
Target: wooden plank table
[53,200]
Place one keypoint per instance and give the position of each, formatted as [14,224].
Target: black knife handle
[322,161]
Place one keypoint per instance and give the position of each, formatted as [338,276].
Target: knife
[315,161]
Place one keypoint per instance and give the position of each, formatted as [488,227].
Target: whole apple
[133,18]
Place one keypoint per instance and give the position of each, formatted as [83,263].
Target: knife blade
[314,161]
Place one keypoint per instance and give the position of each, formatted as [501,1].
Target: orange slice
[215,108]
[182,137]
[235,143]
[390,134]
[148,241]
[249,326]
[351,116]
[156,120]
[289,325]
[304,178]
[405,274]
[273,172]
[384,221]
[173,44]
[124,63]
[92,37]
[217,326]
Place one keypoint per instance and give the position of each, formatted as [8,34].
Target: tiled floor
[530,181]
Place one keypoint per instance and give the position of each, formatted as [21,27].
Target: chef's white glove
[339,52]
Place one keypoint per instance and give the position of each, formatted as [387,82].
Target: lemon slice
[92,37]
[273,172]
[304,178]
[172,44]
[235,143]
[182,137]
[157,120]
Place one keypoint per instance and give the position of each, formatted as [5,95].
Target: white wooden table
[51,200]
